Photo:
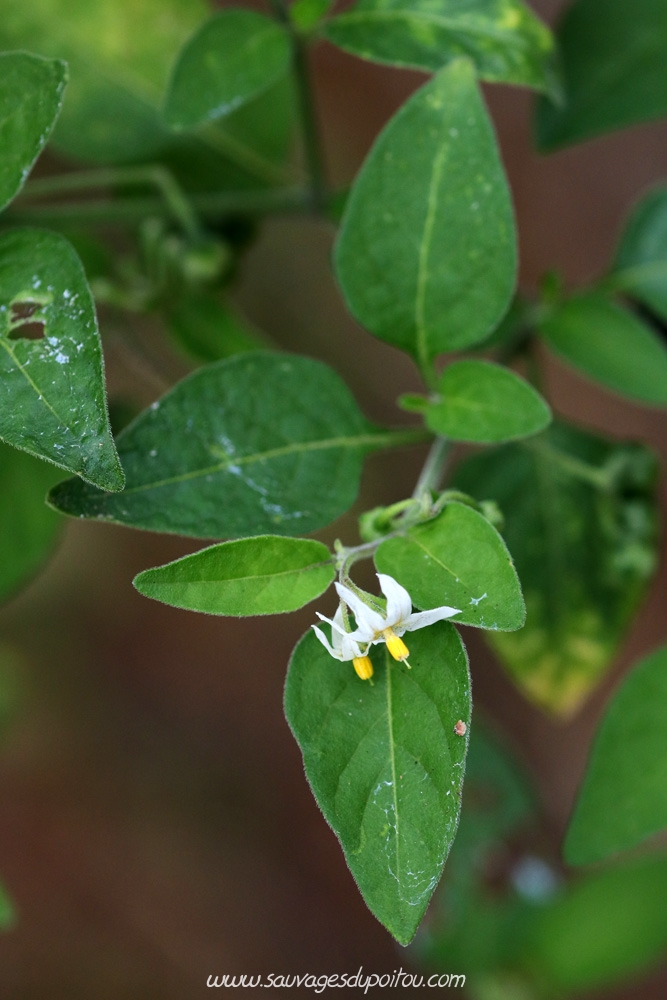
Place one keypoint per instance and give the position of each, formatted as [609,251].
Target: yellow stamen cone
[363,667]
[395,645]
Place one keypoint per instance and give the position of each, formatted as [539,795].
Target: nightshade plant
[189,131]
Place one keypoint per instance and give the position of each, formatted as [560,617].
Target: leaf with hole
[261,443]
[611,346]
[31,95]
[580,522]
[426,255]
[267,575]
[232,57]
[612,56]
[623,798]
[484,403]
[385,764]
[503,38]
[640,266]
[459,559]
[51,369]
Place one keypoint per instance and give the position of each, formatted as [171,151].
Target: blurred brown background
[156,823]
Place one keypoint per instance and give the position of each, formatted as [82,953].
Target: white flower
[343,646]
[374,626]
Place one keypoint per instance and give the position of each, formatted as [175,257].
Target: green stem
[307,112]
[433,470]
[174,199]
[601,479]
[123,211]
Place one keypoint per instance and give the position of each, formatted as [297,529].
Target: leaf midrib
[295,448]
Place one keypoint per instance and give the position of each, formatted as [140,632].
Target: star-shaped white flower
[343,646]
[374,626]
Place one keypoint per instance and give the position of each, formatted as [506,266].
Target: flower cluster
[375,625]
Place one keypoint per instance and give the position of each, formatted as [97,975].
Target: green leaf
[261,443]
[580,522]
[28,529]
[305,14]
[503,38]
[208,329]
[51,369]
[613,63]
[640,268]
[605,928]
[232,57]
[119,54]
[31,95]
[611,346]
[384,763]
[7,910]
[457,559]
[623,798]
[268,575]
[486,403]
[426,255]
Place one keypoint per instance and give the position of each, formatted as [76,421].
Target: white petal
[423,618]
[325,642]
[399,604]
[368,621]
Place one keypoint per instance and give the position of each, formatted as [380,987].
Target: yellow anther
[363,667]
[395,645]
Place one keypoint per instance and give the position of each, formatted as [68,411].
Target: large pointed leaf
[31,95]
[28,529]
[623,798]
[458,559]
[268,575]
[52,387]
[610,345]
[504,39]
[385,764]
[231,58]
[261,443]
[580,522]
[640,267]
[426,255]
[613,59]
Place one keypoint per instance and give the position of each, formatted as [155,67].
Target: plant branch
[123,211]
[433,470]
[307,112]
[175,200]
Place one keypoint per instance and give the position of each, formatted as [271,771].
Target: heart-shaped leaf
[267,575]
[385,764]
[31,95]
[426,255]
[458,559]
[51,369]
[260,443]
